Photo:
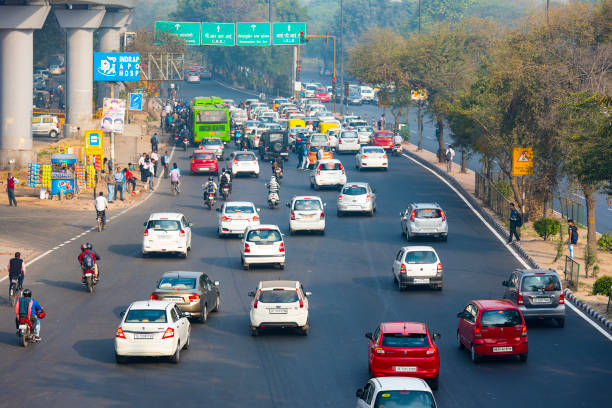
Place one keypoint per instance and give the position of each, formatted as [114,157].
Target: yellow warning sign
[522,161]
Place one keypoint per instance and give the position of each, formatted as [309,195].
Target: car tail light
[119,333]
[181,233]
[247,248]
[379,350]
[256,301]
[224,218]
[340,141]
[442,215]
[255,218]
[384,156]
[154,296]
[403,269]
[194,297]
[412,215]
[168,333]
[292,216]
[281,248]
[146,233]
[57,125]
[431,350]
[562,298]
[339,198]
[235,161]
[519,298]
[301,300]
[319,171]
[524,331]
[477,332]
[322,215]
[368,197]
[439,269]
[363,156]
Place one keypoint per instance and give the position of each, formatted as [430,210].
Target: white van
[367,94]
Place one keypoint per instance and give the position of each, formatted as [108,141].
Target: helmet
[210,178]
[89,246]
[27,293]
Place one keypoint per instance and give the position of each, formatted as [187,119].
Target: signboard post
[287,33]
[135,102]
[218,34]
[253,34]
[522,161]
[189,32]
[116,66]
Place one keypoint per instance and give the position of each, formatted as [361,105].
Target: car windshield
[354,190]
[307,205]
[428,213]
[405,340]
[203,156]
[146,316]
[373,150]
[420,257]
[177,283]
[330,166]
[540,282]
[164,225]
[321,90]
[278,296]
[365,129]
[251,123]
[384,136]
[245,157]
[211,141]
[348,135]
[264,235]
[239,209]
[404,399]
[500,318]
[318,138]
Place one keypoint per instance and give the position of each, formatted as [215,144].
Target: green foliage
[405,132]
[560,245]
[605,242]
[602,286]
[545,227]
[590,259]
[504,187]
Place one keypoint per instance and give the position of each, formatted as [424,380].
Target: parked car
[236,216]
[538,293]
[424,219]
[307,213]
[46,125]
[263,244]
[399,392]
[279,304]
[167,233]
[327,173]
[356,197]
[417,266]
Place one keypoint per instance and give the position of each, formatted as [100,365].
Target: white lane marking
[503,241]
[67,242]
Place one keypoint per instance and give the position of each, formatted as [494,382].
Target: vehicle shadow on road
[9,338]
[76,285]
[210,231]
[100,350]
[134,250]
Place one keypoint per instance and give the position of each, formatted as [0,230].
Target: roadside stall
[63,175]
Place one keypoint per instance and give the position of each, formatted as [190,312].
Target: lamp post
[341,54]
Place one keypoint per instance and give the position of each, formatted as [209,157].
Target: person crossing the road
[29,308]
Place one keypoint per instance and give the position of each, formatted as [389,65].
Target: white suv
[279,304]
[417,266]
[262,244]
[236,216]
[167,232]
[348,141]
[307,214]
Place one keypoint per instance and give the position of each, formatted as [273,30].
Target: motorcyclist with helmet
[210,187]
[225,180]
[88,255]
[29,308]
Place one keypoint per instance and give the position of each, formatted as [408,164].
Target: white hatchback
[262,244]
[279,304]
[242,162]
[329,172]
[356,197]
[400,392]
[167,233]
[152,328]
[365,134]
[236,216]
[371,157]
[348,141]
[307,214]
[417,266]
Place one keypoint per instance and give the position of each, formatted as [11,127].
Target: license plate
[277,311]
[204,168]
[541,300]
[307,215]
[174,299]
[405,369]
[143,335]
[501,349]
[421,281]
[23,326]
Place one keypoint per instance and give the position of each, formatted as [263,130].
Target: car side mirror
[308,294]
[186,314]
[505,283]
[216,283]
[190,224]
[217,209]
[288,204]
[436,336]
[259,209]
[368,335]
[461,315]
[359,393]
[145,224]
[251,294]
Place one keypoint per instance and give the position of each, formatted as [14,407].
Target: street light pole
[419,102]
[341,56]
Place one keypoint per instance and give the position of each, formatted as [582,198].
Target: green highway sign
[287,33]
[252,33]
[187,31]
[218,34]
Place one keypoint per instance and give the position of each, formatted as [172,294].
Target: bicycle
[175,187]
[14,291]
[100,221]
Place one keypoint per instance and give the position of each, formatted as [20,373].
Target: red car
[322,94]
[383,138]
[492,327]
[404,349]
[204,161]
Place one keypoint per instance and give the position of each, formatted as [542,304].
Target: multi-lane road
[349,273]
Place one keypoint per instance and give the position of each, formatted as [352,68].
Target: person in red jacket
[87,250]
[10,189]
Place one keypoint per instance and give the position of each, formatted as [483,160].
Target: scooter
[210,200]
[185,143]
[396,150]
[225,192]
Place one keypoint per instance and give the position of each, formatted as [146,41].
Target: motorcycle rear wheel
[90,285]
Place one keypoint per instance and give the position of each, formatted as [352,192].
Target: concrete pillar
[17,25]
[79,24]
[110,40]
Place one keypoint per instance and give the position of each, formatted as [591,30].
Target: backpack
[574,235]
[448,155]
[88,261]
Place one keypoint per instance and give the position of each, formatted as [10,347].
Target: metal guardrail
[572,209]
[492,197]
[571,269]
[609,300]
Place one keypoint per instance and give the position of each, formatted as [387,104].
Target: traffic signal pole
[333,37]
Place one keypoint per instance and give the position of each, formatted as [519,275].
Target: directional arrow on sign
[218,27]
[177,26]
[253,27]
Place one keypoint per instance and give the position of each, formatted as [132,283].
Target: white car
[242,162]
[318,139]
[307,214]
[332,134]
[279,304]
[424,219]
[310,91]
[46,125]
[329,172]
[417,266]
[254,136]
[400,392]
[356,197]
[236,216]
[213,144]
[262,244]
[365,134]
[55,70]
[348,141]
[167,233]
[192,77]
[371,157]
[152,328]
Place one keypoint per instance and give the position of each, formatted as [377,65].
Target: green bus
[210,118]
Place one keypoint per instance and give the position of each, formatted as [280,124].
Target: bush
[504,187]
[605,242]
[602,286]
[590,259]
[545,227]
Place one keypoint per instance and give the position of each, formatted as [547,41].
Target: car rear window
[405,340]
[245,157]
[354,190]
[318,138]
[420,257]
[365,129]
[211,141]
[428,213]
[177,283]
[146,316]
[500,318]
[306,205]
[540,282]
[330,166]
[278,296]
[373,150]
[317,148]
[404,399]
[349,135]
[164,225]
[264,235]
[242,209]
[203,156]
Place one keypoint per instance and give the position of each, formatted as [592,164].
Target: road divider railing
[491,196]
[572,273]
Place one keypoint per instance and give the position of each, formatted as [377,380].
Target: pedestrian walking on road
[449,155]
[110,182]
[305,156]
[163,120]
[572,237]
[300,155]
[10,189]
[516,221]
[119,183]
[165,161]
[154,142]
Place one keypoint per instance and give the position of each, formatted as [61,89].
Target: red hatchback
[322,94]
[492,327]
[404,349]
[383,138]
[204,161]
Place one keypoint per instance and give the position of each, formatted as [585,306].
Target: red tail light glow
[255,218]
[439,269]
[194,297]
[168,333]
[301,300]
[477,332]
[431,350]
[154,296]
[256,301]
[224,218]
[363,156]
[519,298]
[119,333]
[146,233]
[368,197]
[281,248]
[524,331]
[442,215]
[562,298]
[412,215]
[339,198]
[181,233]
[292,216]
[322,215]
[379,350]
[403,269]
[247,248]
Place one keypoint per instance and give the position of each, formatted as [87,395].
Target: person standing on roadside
[154,142]
[110,182]
[163,120]
[572,237]
[449,155]
[154,161]
[119,183]
[147,174]
[516,221]
[141,162]
[10,189]
[165,161]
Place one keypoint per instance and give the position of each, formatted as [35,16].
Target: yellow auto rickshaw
[292,123]
[325,126]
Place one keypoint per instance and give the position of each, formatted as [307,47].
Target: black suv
[274,142]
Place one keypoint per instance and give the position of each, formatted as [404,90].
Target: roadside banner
[113,115]
[522,161]
[418,95]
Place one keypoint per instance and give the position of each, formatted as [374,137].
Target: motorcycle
[210,200]
[225,192]
[397,149]
[185,143]
[24,331]
[278,173]
[89,280]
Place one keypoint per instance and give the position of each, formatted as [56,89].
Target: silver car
[356,197]
[538,293]
[215,144]
[424,219]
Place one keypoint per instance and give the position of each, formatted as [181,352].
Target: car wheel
[254,331]
[291,232]
[340,214]
[120,359]
[459,343]
[561,323]
[522,357]
[217,304]
[145,255]
[322,232]
[316,187]
[53,134]
[203,314]
[256,175]
[304,330]
[474,355]
[245,265]
[183,255]
[434,383]
[188,342]
[371,213]
[444,238]
[174,359]
[439,287]
[281,265]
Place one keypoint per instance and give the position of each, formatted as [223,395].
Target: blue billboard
[116,66]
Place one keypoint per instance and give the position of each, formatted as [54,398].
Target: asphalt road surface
[349,273]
